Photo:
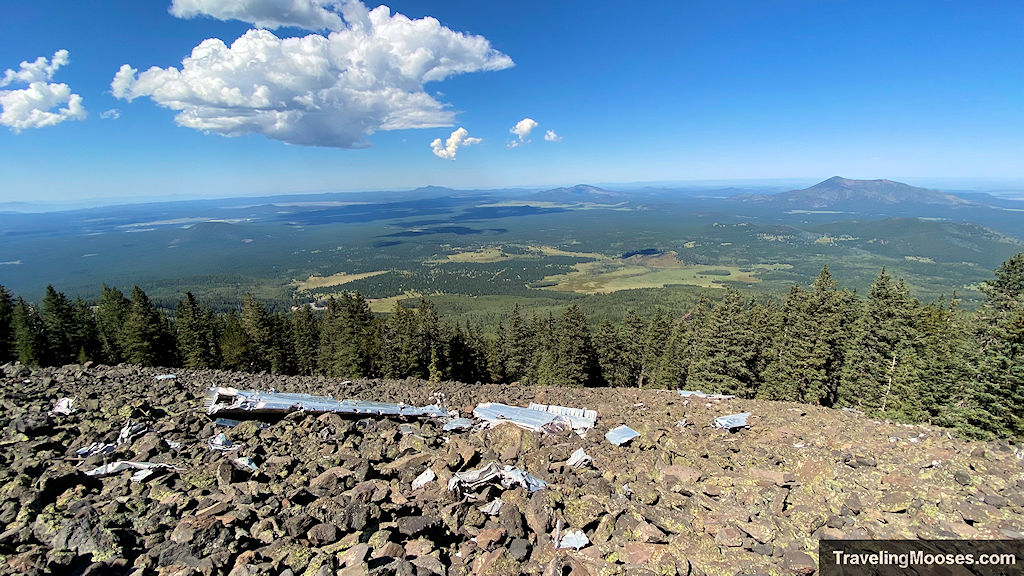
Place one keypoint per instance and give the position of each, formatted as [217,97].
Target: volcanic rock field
[324,494]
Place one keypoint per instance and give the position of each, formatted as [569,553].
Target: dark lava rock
[512,521]
[322,534]
[798,563]
[33,424]
[333,494]
[416,525]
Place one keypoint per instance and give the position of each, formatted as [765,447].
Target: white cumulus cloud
[42,103]
[446,150]
[522,130]
[112,114]
[317,90]
[40,70]
[308,14]
[550,136]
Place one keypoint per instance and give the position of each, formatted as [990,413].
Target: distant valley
[531,246]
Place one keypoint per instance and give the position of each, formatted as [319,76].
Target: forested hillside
[886,353]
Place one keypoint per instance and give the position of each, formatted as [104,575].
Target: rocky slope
[334,495]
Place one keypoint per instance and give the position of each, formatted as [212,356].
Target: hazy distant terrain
[556,244]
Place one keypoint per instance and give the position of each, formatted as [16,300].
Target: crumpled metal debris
[507,476]
[63,407]
[699,394]
[129,431]
[579,459]
[95,448]
[166,376]
[493,507]
[247,402]
[247,464]
[458,424]
[621,435]
[575,539]
[537,417]
[732,421]
[126,435]
[145,469]
[423,479]
[221,443]
[226,422]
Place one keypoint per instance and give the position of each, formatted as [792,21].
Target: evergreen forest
[886,354]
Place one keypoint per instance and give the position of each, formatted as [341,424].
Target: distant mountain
[580,193]
[839,193]
[212,231]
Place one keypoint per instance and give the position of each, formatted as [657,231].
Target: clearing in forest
[338,279]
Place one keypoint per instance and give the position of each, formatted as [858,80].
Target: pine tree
[6,326]
[674,364]
[574,360]
[632,334]
[470,352]
[808,345]
[282,358]
[1002,343]
[259,345]
[306,335]
[59,327]
[647,345]
[1004,293]
[428,337]
[949,375]
[722,350]
[111,312]
[232,342]
[515,347]
[196,338]
[762,319]
[144,339]
[85,338]
[348,346]
[611,356]
[833,313]
[792,369]
[399,348]
[544,365]
[880,373]
[28,332]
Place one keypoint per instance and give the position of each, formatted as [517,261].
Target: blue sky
[659,91]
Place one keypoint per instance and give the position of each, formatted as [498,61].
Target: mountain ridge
[580,193]
[838,193]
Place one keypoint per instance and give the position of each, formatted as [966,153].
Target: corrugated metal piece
[494,413]
[621,435]
[732,421]
[580,418]
[239,402]
[538,417]
[457,425]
